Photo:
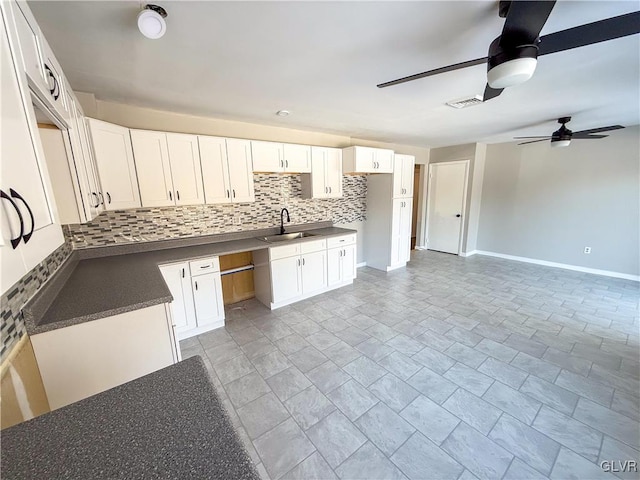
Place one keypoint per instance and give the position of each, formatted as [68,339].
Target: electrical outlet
[237,220]
[587,250]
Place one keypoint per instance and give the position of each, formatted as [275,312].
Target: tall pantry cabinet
[387,238]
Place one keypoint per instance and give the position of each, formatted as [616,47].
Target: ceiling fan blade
[587,137]
[428,73]
[534,136]
[598,130]
[590,33]
[490,93]
[534,141]
[524,22]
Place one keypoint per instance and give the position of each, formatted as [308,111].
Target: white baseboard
[595,271]
[360,265]
[420,247]
[469,254]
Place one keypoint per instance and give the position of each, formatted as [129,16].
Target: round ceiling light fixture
[151,21]
[513,66]
[283,113]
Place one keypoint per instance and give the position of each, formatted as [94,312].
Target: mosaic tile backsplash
[272,191]
[14,299]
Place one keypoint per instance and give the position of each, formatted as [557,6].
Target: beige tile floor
[451,368]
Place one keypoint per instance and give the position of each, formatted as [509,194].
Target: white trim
[361,264]
[595,271]
[469,254]
[464,200]
[420,247]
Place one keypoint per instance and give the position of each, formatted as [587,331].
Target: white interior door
[447,184]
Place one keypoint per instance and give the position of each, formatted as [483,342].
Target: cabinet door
[405,230]
[297,158]
[178,280]
[333,172]
[55,80]
[314,271]
[186,172]
[87,193]
[267,156]
[334,266]
[30,49]
[87,164]
[365,159]
[23,177]
[240,170]
[114,158]
[151,158]
[207,298]
[286,281]
[319,188]
[398,169]
[396,231]
[408,165]
[215,171]
[348,263]
[384,160]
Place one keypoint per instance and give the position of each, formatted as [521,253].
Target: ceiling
[322,61]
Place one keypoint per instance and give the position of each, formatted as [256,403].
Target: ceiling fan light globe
[512,72]
[151,24]
[560,143]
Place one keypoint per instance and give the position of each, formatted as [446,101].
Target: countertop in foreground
[169,424]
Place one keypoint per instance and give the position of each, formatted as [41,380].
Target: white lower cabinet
[289,273]
[196,288]
[81,360]
[286,279]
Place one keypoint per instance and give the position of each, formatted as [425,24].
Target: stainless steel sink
[286,237]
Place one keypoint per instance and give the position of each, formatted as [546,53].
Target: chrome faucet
[282,220]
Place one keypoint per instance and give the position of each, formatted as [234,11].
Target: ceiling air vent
[465,102]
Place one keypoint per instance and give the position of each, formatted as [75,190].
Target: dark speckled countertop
[97,283]
[169,424]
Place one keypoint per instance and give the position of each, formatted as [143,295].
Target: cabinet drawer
[313,246]
[284,251]
[341,241]
[206,265]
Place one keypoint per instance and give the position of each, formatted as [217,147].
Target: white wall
[549,203]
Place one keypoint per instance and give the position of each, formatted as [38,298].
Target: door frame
[464,201]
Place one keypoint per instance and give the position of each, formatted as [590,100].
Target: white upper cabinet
[297,158]
[367,160]
[267,156]
[38,62]
[403,168]
[226,170]
[184,157]
[114,158]
[28,216]
[215,169]
[325,180]
[240,170]
[280,157]
[151,156]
